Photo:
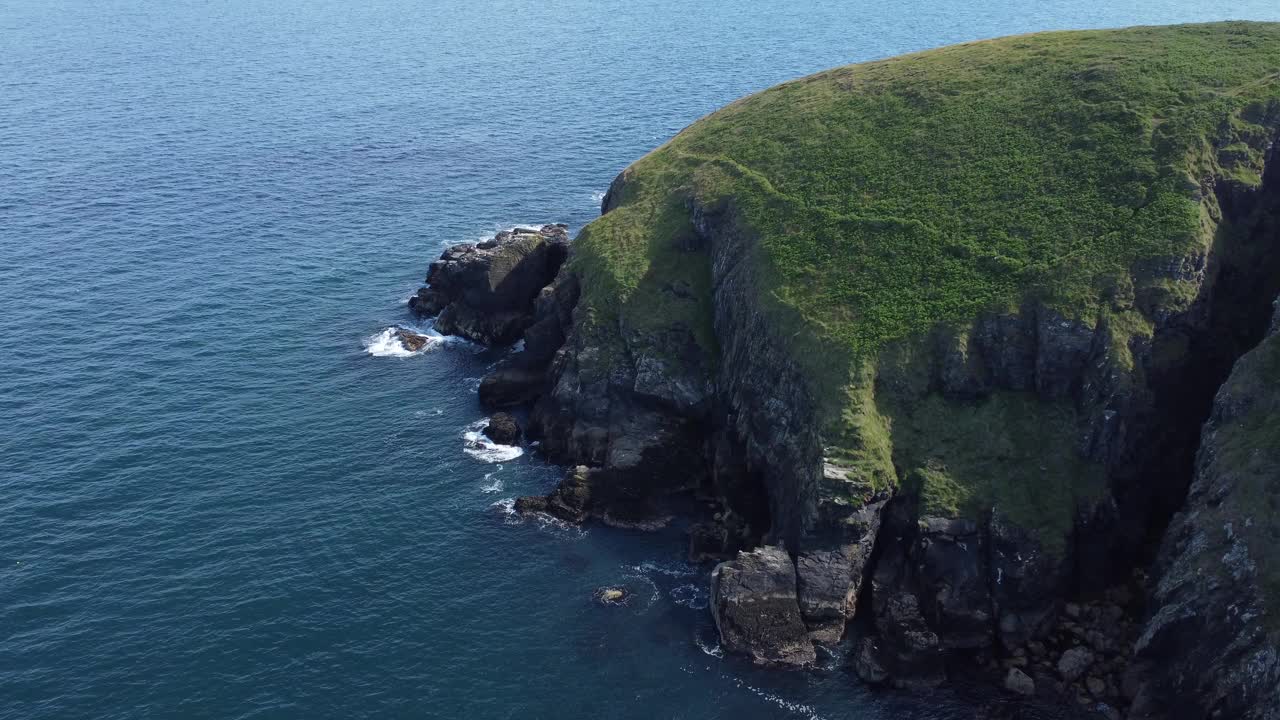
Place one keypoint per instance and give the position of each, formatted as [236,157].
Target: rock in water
[412,341]
[613,595]
[753,600]
[589,493]
[486,292]
[503,429]
[1074,663]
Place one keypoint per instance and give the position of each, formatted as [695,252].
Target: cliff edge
[935,336]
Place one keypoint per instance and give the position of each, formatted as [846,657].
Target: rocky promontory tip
[503,429]
[485,292]
[753,601]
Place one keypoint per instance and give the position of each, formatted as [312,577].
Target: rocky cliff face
[985,492]
[647,414]
[1211,645]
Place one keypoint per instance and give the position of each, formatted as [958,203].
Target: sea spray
[479,446]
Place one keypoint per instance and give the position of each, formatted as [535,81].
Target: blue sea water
[221,493]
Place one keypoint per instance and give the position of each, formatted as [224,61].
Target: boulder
[1097,686]
[1019,682]
[1074,663]
[753,601]
[503,429]
[908,649]
[570,500]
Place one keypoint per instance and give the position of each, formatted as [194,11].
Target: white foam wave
[714,650]
[653,596]
[597,197]
[805,711]
[480,447]
[835,657]
[673,569]
[493,485]
[692,596]
[489,235]
[507,508]
[386,344]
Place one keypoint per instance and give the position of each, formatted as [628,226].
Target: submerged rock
[1074,663]
[611,595]
[753,601]
[503,429]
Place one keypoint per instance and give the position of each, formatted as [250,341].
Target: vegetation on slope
[892,197]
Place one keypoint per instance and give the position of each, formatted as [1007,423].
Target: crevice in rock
[1228,320]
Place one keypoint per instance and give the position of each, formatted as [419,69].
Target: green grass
[1010,452]
[893,197]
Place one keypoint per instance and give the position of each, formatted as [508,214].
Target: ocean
[223,492]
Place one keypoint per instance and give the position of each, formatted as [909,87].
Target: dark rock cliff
[1211,644]
[1210,647]
[647,414]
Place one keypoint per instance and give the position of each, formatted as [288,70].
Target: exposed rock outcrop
[503,429]
[753,600]
[589,493]
[1211,647]
[485,292]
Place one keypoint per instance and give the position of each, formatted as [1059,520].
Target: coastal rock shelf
[930,342]
[485,292]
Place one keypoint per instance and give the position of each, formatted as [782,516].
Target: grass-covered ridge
[893,197]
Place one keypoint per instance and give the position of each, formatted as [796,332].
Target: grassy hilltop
[892,198]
